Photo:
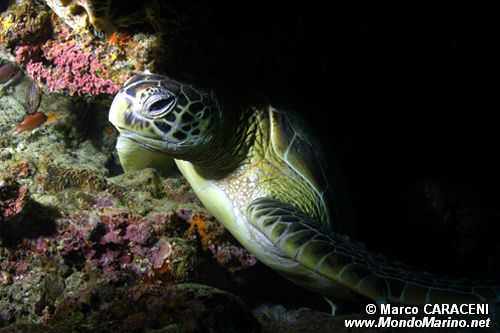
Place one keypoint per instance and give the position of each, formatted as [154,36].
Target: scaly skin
[260,174]
[247,169]
[322,261]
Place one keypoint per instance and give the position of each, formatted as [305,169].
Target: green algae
[88,236]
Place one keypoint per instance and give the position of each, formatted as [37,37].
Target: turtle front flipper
[303,239]
[134,156]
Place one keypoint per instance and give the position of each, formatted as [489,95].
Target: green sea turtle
[255,170]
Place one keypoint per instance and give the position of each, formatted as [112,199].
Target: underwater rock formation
[79,239]
[61,60]
[104,17]
[7,70]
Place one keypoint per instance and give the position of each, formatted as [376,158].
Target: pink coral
[103,203]
[13,199]
[67,65]
[211,235]
[113,236]
[116,242]
[226,253]
[160,251]
[138,233]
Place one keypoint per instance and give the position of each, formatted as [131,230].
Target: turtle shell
[296,149]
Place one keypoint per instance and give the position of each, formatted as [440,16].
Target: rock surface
[84,245]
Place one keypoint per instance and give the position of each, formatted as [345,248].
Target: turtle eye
[158,106]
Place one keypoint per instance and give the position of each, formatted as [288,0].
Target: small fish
[30,122]
[7,71]
[33,99]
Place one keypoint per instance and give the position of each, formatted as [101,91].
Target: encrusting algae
[66,61]
[68,230]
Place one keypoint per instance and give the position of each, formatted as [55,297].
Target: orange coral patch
[118,38]
[202,227]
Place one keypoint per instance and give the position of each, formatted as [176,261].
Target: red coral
[113,236]
[211,236]
[119,242]
[138,233]
[119,38]
[66,66]
[103,203]
[160,252]
[41,245]
[107,260]
[226,253]
[13,199]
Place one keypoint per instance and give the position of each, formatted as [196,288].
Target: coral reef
[76,70]
[13,199]
[61,60]
[129,307]
[212,236]
[23,21]
[105,254]
[79,245]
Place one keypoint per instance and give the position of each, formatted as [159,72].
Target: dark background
[403,93]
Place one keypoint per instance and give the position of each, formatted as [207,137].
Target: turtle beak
[120,106]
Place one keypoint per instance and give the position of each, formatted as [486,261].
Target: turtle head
[163,114]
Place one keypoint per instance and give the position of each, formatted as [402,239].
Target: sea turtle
[255,170]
